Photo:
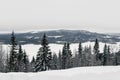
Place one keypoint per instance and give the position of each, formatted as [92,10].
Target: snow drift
[80,73]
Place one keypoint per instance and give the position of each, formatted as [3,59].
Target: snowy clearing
[80,73]
[32,49]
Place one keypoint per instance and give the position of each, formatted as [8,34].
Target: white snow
[36,37]
[55,36]
[107,36]
[32,49]
[80,73]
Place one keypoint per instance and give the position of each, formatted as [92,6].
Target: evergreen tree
[66,56]
[96,49]
[80,49]
[76,60]
[109,62]
[105,55]
[80,55]
[55,62]
[2,59]
[116,60]
[87,56]
[69,56]
[43,59]
[26,66]
[19,58]
[12,63]
[97,60]
[60,60]
[32,64]
[7,63]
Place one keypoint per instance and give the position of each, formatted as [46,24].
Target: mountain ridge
[60,36]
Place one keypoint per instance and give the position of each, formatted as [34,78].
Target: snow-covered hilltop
[60,36]
[80,73]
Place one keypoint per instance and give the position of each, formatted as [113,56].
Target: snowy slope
[81,73]
[32,49]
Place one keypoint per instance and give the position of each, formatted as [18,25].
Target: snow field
[80,73]
[32,49]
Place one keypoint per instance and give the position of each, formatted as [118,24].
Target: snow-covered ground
[32,49]
[80,73]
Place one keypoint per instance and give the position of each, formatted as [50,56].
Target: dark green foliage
[66,56]
[105,55]
[55,62]
[59,60]
[32,64]
[13,63]
[44,56]
[17,60]
[26,64]
[96,49]
[80,53]
[98,59]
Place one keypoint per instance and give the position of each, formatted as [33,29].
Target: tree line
[16,60]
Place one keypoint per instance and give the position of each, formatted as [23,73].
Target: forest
[17,59]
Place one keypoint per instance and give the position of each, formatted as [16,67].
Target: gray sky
[92,15]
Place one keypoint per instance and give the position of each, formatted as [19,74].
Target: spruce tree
[55,62]
[96,49]
[105,55]
[116,59]
[32,64]
[109,59]
[19,58]
[2,59]
[44,57]
[26,63]
[80,54]
[69,56]
[13,63]
[66,56]
[60,60]
[97,60]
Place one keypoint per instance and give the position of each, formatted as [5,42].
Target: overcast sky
[92,15]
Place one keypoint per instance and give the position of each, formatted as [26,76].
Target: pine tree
[80,54]
[96,49]
[80,49]
[66,56]
[75,60]
[2,59]
[32,64]
[116,59]
[12,63]
[60,60]
[19,58]
[7,63]
[44,57]
[69,56]
[26,66]
[109,59]
[97,60]
[55,62]
[105,55]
